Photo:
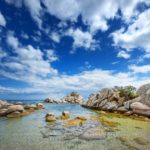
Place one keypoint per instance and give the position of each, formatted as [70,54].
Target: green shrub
[128,92]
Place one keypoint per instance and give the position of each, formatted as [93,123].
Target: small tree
[74,94]
[128,92]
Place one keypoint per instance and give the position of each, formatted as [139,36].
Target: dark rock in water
[96,133]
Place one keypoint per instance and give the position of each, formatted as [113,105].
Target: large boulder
[140,108]
[14,108]
[144,89]
[106,99]
[50,117]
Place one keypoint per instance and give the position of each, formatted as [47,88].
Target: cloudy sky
[52,47]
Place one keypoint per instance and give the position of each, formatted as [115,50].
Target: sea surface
[31,132]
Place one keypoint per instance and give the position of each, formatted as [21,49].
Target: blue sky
[52,47]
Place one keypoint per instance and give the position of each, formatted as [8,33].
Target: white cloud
[55,37]
[29,61]
[12,40]
[147,55]
[17,3]
[82,39]
[140,69]
[35,9]
[2,54]
[51,56]
[2,20]
[85,82]
[137,35]
[123,54]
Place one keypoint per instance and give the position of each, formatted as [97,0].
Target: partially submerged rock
[76,121]
[96,133]
[65,115]
[39,106]
[50,117]
[17,109]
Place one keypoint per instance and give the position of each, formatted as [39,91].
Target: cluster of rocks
[72,98]
[79,120]
[17,109]
[50,117]
[111,100]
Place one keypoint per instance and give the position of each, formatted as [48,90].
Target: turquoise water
[33,133]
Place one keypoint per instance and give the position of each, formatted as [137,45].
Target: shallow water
[33,133]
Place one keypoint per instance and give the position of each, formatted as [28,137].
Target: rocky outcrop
[145,89]
[113,100]
[106,99]
[17,109]
[72,98]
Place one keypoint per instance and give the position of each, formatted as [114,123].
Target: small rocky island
[72,98]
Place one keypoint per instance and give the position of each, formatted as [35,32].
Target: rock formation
[121,100]
[17,109]
[72,98]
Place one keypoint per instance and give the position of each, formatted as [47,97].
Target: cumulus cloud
[94,13]
[140,69]
[84,82]
[28,62]
[82,39]
[137,35]
[2,20]
[123,54]
[55,37]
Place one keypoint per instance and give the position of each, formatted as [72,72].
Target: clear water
[33,133]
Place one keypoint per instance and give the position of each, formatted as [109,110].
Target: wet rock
[14,114]
[81,118]
[50,117]
[65,115]
[75,122]
[3,112]
[128,113]
[96,133]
